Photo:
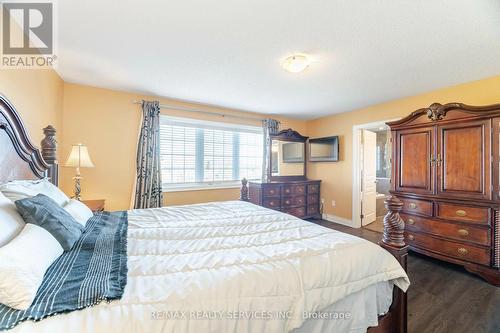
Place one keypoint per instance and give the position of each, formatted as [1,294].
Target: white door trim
[356,168]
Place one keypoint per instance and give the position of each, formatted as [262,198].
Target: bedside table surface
[95,205]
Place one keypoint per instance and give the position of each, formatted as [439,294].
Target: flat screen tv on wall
[324,149]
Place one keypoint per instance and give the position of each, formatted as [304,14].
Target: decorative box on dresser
[446,173]
[298,198]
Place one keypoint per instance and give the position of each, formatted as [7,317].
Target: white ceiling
[228,52]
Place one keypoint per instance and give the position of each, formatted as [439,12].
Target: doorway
[371,174]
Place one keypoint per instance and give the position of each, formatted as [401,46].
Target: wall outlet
[333,203]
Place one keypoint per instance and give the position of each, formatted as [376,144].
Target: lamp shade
[79,157]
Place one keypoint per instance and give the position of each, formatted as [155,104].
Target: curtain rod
[180,108]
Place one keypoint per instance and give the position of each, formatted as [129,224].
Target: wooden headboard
[19,158]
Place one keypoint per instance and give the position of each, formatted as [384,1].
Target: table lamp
[79,158]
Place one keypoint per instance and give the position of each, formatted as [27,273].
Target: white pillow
[80,212]
[23,263]
[22,189]
[11,223]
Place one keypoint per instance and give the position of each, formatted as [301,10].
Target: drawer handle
[461,213]
[411,237]
[462,251]
[463,232]
[271,203]
[287,190]
[271,191]
[413,205]
[411,221]
[287,202]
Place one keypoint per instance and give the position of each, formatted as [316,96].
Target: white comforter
[230,267]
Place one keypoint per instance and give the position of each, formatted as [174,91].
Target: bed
[230,266]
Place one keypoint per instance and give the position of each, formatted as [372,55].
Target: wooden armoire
[445,170]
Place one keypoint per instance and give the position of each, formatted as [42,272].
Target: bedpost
[244,190]
[393,241]
[49,153]
[394,225]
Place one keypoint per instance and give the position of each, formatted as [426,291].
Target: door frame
[357,167]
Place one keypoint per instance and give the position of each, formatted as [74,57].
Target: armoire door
[463,160]
[415,150]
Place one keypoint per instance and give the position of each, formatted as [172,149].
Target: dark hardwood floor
[442,298]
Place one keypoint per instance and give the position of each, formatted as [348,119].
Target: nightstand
[95,205]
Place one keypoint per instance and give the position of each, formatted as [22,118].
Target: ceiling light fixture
[296,63]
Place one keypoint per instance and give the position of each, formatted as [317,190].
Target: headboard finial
[49,145]
[49,152]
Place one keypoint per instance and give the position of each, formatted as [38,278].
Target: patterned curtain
[148,191]
[270,126]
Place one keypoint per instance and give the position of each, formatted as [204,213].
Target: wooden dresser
[298,198]
[446,173]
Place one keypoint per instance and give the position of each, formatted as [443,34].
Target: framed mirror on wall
[287,156]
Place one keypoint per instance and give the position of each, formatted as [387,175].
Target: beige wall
[108,123]
[37,95]
[337,176]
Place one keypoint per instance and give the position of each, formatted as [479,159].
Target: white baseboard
[337,219]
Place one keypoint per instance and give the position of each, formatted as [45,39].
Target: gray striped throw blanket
[95,269]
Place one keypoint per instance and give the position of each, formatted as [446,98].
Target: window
[197,154]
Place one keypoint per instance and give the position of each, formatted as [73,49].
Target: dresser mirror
[287,156]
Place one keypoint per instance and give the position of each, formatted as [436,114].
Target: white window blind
[197,153]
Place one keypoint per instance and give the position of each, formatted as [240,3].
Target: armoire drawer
[296,211]
[447,229]
[453,249]
[416,206]
[294,201]
[293,189]
[462,213]
[271,191]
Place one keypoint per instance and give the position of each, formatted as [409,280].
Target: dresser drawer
[271,191]
[457,250]
[272,203]
[293,189]
[463,213]
[312,210]
[312,199]
[415,206]
[448,230]
[294,201]
[297,211]
[313,188]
